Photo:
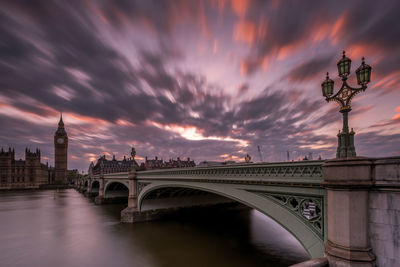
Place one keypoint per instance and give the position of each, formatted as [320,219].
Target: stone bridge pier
[363,211]
[128,214]
[92,189]
[99,198]
[78,186]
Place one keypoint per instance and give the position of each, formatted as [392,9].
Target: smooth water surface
[48,228]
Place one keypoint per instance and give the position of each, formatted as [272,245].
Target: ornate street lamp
[343,97]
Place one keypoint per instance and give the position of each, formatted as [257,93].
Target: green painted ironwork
[140,186]
[300,206]
[296,173]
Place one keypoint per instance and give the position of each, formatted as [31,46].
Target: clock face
[60,140]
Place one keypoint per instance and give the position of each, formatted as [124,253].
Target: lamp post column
[346,121]
[347,180]
[343,97]
[346,139]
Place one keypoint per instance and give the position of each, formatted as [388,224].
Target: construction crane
[260,153]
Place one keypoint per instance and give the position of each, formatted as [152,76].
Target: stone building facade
[31,173]
[112,166]
[28,173]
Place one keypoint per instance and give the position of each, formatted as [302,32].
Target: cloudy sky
[211,80]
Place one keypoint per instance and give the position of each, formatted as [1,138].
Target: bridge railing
[298,172]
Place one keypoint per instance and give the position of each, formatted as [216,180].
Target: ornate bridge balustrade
[296,173]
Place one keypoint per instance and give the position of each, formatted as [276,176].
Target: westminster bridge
[346,210]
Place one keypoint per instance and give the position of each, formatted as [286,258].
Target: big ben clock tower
[60,153]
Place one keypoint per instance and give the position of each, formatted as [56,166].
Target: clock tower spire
[60,153]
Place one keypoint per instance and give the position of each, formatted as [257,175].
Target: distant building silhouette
[112,166]
[73,176]
[157,163]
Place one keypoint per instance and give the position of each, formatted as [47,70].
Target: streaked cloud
[207,79]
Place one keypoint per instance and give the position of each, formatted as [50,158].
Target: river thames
[48,228]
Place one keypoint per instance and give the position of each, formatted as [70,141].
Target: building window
[3,175]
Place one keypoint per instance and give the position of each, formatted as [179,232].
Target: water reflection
[38,229]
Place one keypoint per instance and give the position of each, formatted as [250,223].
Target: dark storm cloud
[160,16]
[374,23]
[393,122]
[309,69]
[32,70]
[53,57]
[154,12]
[376,144]
[75,45]
[31,136]
[272,115]
[191,90]
[369,23]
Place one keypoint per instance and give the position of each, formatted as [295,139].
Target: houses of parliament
[31,173]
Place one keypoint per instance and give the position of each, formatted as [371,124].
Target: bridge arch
[85,186]
[311,242]
[116,189]
[95,184]
[94,188]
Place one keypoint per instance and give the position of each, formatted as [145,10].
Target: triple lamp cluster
[343,97]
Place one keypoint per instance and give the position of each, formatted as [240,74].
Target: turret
[8,154]
[61,123]
[60,130]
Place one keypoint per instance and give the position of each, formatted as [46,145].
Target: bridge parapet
[305,173]
[363,211]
